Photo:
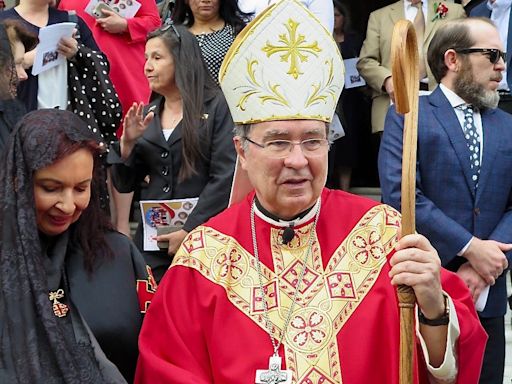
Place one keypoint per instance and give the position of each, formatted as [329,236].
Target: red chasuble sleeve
[172,347]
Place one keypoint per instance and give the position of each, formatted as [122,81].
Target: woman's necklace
[274,374]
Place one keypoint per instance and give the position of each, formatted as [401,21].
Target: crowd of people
[250,262]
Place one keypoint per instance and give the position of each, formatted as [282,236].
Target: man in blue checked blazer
[464,170]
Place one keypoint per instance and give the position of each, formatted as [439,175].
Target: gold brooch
[59,309]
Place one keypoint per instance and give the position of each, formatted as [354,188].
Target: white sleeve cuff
[463,250]
[447,371]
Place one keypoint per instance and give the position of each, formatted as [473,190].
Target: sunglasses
[170,24]
[492,54]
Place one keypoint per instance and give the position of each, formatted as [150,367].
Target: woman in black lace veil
[57,339]
[12,36]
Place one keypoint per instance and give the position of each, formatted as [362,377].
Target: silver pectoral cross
[274,374]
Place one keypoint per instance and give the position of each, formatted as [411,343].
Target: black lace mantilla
[33,347]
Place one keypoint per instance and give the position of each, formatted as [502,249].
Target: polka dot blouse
[214,47]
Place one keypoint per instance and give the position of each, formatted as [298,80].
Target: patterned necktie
[472,140]
[419,26]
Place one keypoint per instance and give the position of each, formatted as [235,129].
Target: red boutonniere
[440,11]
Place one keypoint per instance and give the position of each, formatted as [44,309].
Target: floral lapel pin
[440,11]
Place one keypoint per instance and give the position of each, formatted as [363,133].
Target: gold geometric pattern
[311,348]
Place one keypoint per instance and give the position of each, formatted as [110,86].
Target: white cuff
[447,371]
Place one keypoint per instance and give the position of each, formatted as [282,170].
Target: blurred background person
[49,88]
[71,289]
[181,144]
[353,108]
[122,40]
[322,9]
[375,59]
[14,41]
[215,23]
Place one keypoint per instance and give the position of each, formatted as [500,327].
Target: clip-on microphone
[288,234]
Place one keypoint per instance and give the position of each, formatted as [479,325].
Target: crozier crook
[405,70]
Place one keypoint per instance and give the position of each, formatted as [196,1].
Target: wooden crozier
[405,70]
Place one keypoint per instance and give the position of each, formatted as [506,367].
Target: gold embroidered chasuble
[327,296]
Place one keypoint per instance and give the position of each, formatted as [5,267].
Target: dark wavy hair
[17,31]
[228,11]
[195,86]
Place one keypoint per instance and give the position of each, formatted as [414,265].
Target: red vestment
[206,323]
[124,51]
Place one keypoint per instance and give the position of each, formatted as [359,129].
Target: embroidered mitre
[284,65]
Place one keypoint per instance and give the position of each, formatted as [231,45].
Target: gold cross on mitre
[284,65]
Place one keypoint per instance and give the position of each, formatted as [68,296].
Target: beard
[474,93]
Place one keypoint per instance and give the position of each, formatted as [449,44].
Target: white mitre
[284,65]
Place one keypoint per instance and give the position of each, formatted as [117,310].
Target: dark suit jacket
[448,212]
[482,10]
[161,160]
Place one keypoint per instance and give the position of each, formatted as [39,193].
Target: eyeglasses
[279,149]
[493,54]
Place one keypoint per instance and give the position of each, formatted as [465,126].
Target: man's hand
[174,238]
[417,264]
[472,279]
[112,23]
[388,86]
[487,258]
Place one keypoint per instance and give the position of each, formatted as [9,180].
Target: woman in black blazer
[180,145]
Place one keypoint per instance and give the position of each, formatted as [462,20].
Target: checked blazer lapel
[446,117]
[491,128]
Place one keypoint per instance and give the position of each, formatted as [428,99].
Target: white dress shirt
[410,11]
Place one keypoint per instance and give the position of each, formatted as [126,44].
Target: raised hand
[134,125]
